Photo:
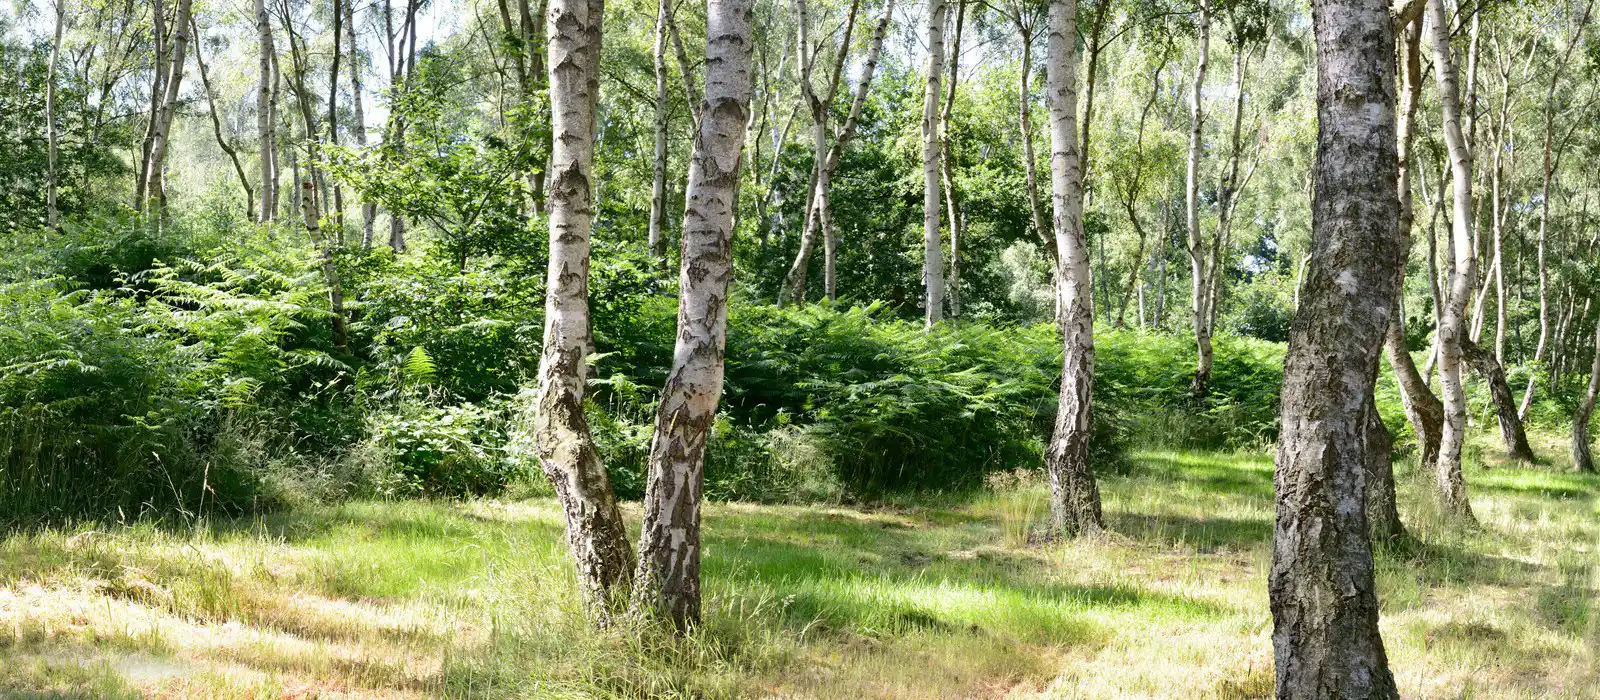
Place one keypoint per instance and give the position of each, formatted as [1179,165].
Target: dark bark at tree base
[1505,406]
[1383,513]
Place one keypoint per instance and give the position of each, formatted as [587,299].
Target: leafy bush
[445,451]
[131,400]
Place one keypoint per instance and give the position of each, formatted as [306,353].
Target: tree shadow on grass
[1437,564]
[1215,474]
[1201,535]
[888,586]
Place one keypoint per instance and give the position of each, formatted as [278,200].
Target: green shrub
[441,451]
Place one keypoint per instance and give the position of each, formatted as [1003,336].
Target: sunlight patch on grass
[412,600]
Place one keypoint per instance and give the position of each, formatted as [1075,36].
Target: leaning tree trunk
[1074,496]
[216,122]
[1197,248]
[1324,601]
[564,445]
[933,254]
[667,584]
[1505,406]
[266,119]
[1422,408]
[1581,459]
[1451,486]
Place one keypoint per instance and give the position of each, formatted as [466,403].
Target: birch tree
[1323,597]
[1452,488]
[266,117]
[1199,269]
[933,254]
[1582,460]
[1074,496]
[667,582]
[563,443]
[166,109]
[819,212]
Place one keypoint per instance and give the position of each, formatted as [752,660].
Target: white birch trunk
[667,583]
[1075,498]
[563,443]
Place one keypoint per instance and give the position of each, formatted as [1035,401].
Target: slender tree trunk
[818,221]
[1093,45]
[266,117]
[216,123]
[1074,496]
[154,188]
[952,197]
[933,253]
[1423,410]
[1550,161]
[1324,600]
[369,210]
[333,108]
[595,530]
[325,246]
[1133,190]
[1197,248]
[53,212]
[667,584]
[658,175]
[1582,460]
[158,89]
[1025,121]
[1383,513]
[1505,407]
[1452,488]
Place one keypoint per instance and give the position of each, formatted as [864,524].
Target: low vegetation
[417,599]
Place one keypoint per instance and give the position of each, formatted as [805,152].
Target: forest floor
[403,600]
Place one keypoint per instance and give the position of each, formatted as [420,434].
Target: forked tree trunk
[595,530]
[1452,487]
[1423,410]
[818,222]
[154,187]
[1582,460]
[1132,190]
[933,253]
[1324,601]
[158,82]
[667,584]
[266,117]
[1198,267]
[1505,406]
[1074,496]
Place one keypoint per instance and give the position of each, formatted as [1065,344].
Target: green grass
[417,600]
